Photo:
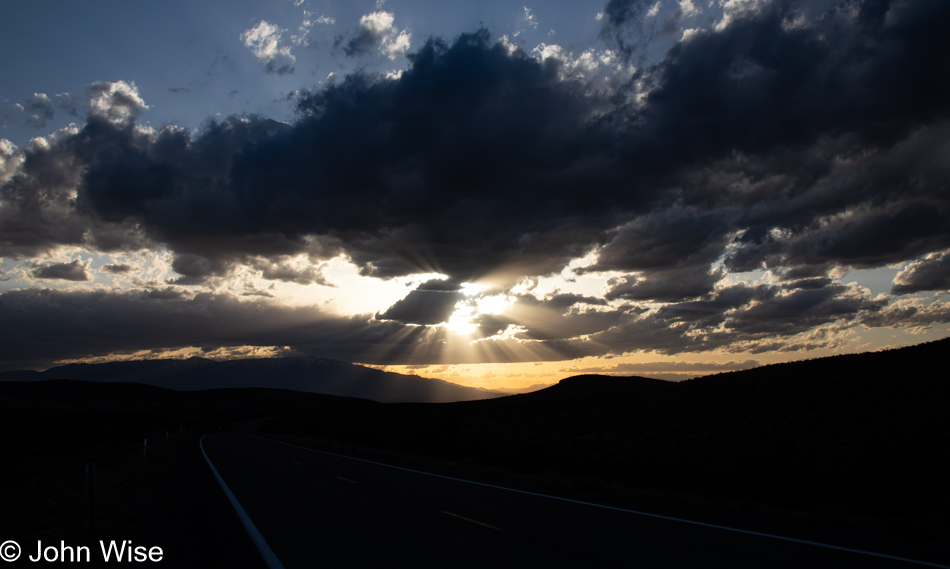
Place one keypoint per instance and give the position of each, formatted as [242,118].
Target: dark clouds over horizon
[43,326]
[798,143]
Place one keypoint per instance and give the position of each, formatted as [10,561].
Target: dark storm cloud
[625,12]
[431,302]
[801,310]
[445,285]
[74,271]
[362,41]
[929,273]
[906,217]
[117,269]
[563,301]
[393,172]
[40,196]
[628,26]
[913,313]
[796,123]
[755,318]
[672,252]
[289,272]
[664,285]
[195,269]
[761,83]
[711,310]
[797,148]
[37,214]
[43,326]
[811,283]
[674,238]
[167,293]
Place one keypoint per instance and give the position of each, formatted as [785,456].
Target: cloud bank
[776,140]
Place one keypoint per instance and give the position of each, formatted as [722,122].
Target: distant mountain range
[307,374]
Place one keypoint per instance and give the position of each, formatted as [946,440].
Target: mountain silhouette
[307,374]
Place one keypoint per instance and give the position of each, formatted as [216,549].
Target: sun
[463,318]
[462,322]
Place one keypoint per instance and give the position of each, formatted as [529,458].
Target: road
[318,509]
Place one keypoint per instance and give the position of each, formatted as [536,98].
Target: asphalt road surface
[317,509]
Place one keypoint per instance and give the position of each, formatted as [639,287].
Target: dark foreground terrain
[53,429]
[857,442]
[855,439]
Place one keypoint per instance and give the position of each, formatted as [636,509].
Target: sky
[498,194]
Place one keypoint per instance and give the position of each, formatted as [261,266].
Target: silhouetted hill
[860,435]
[306,374]
[121,397]
[592,386]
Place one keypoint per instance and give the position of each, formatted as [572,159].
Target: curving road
[319,509]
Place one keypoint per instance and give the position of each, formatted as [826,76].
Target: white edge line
[647,514]
[266,552]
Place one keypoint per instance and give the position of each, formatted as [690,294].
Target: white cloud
[264,42]
[10,160]
[507,44]
[529,21]
[655,9]
[529,18]
[300,38]
[398,46]
[590,64]
[688,8]
[732,9]
[378,22]
[380,27]
[117,101]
